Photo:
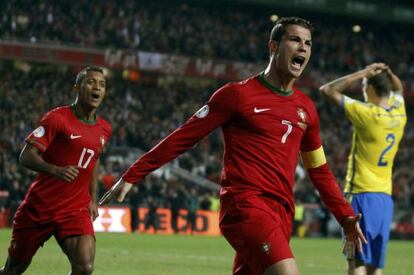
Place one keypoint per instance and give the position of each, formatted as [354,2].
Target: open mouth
[298,61]
[95,95]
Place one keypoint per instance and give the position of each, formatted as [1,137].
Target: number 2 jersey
[64,139]
[377,134]
[263,130]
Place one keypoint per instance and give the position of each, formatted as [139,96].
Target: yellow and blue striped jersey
[376,137]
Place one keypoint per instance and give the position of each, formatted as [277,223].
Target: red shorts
[28,234]
[259,229]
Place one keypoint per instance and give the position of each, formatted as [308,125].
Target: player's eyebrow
[297,37]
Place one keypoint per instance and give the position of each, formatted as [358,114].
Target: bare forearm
[396,82]
[93,187]
[32,160]
[344,82]
[334,89]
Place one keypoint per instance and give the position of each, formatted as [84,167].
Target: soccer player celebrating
[378,128]
[65,150]
[266,123]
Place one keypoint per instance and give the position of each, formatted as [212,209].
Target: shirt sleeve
[356,111]
[45,133]
[311,139]
[219,110]
[319,172]
[397,101]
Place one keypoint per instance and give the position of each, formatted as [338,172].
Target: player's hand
[66,173]
[374,69]
[118,191]
[93,210]
[353,235]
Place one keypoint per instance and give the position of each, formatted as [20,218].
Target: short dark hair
[82,74]
[381,83]
[281,25]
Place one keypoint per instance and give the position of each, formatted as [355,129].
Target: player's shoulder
[105,125]
[104,122]
[237,87]
[396,100]
[61,110]
[245,84]
[57,113]
[301,94]
[303,98]
[228,90]
[350,103]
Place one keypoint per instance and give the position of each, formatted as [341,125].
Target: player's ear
[273,45]
[76,88]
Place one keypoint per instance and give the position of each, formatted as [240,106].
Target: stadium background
[164,60]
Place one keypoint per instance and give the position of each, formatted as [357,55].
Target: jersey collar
[89,122]
[273,88]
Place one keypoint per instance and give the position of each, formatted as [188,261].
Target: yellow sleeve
[313,159]
[397,101]
[358,112]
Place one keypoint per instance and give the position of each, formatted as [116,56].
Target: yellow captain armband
[313,159]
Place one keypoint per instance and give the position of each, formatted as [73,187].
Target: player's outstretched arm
[118,191]
[31,159]
[334,89]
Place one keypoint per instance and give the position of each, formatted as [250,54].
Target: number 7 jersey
[63,139]
[377,134]
[263,130]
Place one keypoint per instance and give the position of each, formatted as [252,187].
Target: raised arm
[397,86]
[334,89]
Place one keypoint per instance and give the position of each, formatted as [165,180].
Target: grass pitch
[184,255]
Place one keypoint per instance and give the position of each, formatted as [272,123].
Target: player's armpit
[313,159]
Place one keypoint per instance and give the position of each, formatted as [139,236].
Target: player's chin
[94,104]
[296,73]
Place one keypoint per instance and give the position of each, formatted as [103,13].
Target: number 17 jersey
[63,139]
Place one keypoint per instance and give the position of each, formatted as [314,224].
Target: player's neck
[382,102]
[87,116]
[276,79]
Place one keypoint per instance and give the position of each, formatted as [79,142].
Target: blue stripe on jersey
[351,181]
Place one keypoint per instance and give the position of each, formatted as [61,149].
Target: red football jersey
[263,131]
[64,139]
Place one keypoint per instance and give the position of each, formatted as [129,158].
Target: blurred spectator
[151,219]
[191,204]
[134,204]
[175,200]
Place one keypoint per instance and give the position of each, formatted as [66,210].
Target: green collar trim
[89,122]
[273,88]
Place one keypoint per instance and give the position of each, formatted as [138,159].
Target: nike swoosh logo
[72,136]
[257,110]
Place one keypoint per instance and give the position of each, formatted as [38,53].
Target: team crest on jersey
[266,247]
[302,118]
[102,141]
[203,112]
[39,132]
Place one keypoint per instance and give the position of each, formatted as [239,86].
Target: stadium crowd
[143,113]
[151,112]
[212,31]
